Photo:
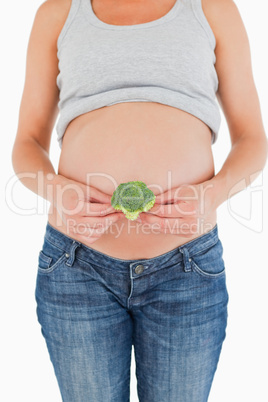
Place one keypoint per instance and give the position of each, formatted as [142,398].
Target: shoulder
[54,8]
[51,15]
[223,17]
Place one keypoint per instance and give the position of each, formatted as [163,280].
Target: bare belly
[158,144]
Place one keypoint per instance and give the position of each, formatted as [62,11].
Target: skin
[89,205]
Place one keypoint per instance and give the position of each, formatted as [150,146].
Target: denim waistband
[74,248]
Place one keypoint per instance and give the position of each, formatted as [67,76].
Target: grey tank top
[169,61]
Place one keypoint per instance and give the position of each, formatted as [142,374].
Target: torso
[158,144]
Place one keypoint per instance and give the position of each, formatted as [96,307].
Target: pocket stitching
[53,267]
[45,258]
[206,274]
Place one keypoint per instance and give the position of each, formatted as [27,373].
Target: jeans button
[139,269]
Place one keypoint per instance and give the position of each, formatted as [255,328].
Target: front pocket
[202,272]
[50,257]
[209,263]
[43,260]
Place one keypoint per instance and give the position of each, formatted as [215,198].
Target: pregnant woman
[135,83]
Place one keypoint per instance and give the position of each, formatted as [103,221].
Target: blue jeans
[172,308]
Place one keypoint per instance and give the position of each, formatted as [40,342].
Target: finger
[157,220]
[178,209]
[171,225]
[95,195]
[90,221]
[165,197]
[171,195]
[97,209]
[169,210]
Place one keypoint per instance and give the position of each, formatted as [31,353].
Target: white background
[27,373]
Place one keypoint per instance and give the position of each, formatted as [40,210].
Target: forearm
[242,166]
[34,169]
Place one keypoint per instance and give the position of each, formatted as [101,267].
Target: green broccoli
[132,198]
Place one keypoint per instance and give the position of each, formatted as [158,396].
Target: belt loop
[186,259]
[71,253]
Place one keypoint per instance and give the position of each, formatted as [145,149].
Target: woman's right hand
[85,210]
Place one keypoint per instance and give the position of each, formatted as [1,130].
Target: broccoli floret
[132,198]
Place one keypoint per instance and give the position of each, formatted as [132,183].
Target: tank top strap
[70,17]
[199,14]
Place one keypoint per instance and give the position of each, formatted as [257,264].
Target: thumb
[166,197]
[95,195]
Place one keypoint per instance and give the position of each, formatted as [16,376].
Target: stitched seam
[135,26]
[195,11]
[45,257]
[207,274]
[54,266]
[68,22]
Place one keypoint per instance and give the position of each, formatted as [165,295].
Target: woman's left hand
[181,210]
